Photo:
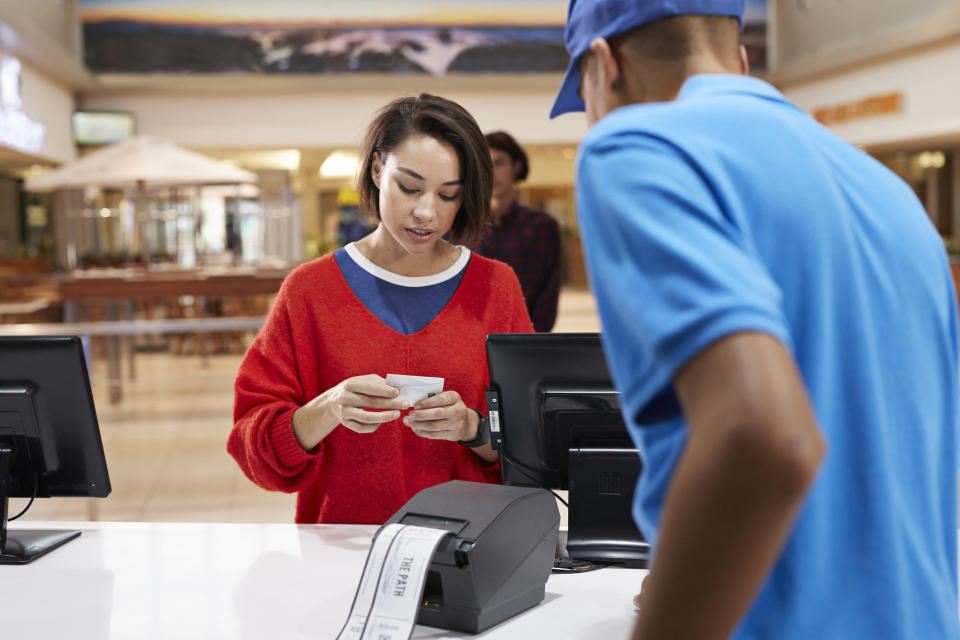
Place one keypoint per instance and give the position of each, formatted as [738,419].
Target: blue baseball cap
[589,19]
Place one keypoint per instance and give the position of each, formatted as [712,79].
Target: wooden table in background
[144,285]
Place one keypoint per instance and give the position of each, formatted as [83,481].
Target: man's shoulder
[536,217]
[629,127]
[678,122]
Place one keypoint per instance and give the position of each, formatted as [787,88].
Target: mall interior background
[285,90]
[879,77]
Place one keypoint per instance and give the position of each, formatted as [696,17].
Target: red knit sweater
[318,334]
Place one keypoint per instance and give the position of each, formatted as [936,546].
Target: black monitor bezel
[524,444]
[52,372]
[554,391]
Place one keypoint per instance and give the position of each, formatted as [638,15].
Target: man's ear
[377,169]
[744,61]
[607,65]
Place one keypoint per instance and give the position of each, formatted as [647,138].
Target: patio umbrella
[141,161]
[138,165]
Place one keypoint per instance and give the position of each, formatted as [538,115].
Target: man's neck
[662,82]
[502,206]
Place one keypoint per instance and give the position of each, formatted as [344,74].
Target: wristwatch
[483,432]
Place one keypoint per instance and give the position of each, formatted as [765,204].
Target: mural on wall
[337,36]
[310,36]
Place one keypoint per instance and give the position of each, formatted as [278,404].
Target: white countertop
[257,581]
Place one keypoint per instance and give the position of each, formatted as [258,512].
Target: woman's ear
[377,169]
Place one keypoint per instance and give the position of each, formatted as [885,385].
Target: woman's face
[420,192]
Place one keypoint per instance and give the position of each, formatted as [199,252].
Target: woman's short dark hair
[503,141]
[442,120]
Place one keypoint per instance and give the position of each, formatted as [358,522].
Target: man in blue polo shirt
[779,315]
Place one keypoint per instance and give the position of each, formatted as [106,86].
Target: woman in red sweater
[313,413]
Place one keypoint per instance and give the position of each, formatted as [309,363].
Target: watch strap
[483,432]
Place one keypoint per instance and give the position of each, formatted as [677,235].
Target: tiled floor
[165,442]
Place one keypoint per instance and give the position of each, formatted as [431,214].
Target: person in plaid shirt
[526,239]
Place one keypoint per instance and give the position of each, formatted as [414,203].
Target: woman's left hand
[443,417]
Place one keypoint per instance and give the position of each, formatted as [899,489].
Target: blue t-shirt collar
[707,85]
[713,84]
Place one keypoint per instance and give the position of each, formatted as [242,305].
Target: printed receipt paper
[415,388]
[388,597]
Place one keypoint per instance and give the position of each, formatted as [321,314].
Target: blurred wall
[269,113]
[56,20]
[51,104]
[928,99]
[45,36]
[820,36]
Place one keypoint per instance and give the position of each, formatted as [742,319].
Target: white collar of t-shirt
[408,281]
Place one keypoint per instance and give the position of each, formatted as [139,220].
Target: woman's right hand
[347,404]
[349,401]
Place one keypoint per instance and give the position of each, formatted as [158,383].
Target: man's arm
[752,452]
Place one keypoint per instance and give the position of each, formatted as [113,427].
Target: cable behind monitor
[36,481]
[560,565]
[527,472]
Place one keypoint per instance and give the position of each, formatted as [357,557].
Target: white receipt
[415,388]
[388,597]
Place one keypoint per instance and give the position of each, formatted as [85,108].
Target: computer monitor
[561,428]
[49,436]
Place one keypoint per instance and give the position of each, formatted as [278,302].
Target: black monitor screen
[50,442]
[561,426]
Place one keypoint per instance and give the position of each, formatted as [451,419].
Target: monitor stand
[600,528]
[22,546]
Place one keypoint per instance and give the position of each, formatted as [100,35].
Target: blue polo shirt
[732,210]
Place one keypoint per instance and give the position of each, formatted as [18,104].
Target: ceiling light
[931,160]
[340,164]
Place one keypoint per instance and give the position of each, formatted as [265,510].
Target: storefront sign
[871,106]
[17,129]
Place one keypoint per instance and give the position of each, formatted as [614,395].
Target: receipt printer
[497,559]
